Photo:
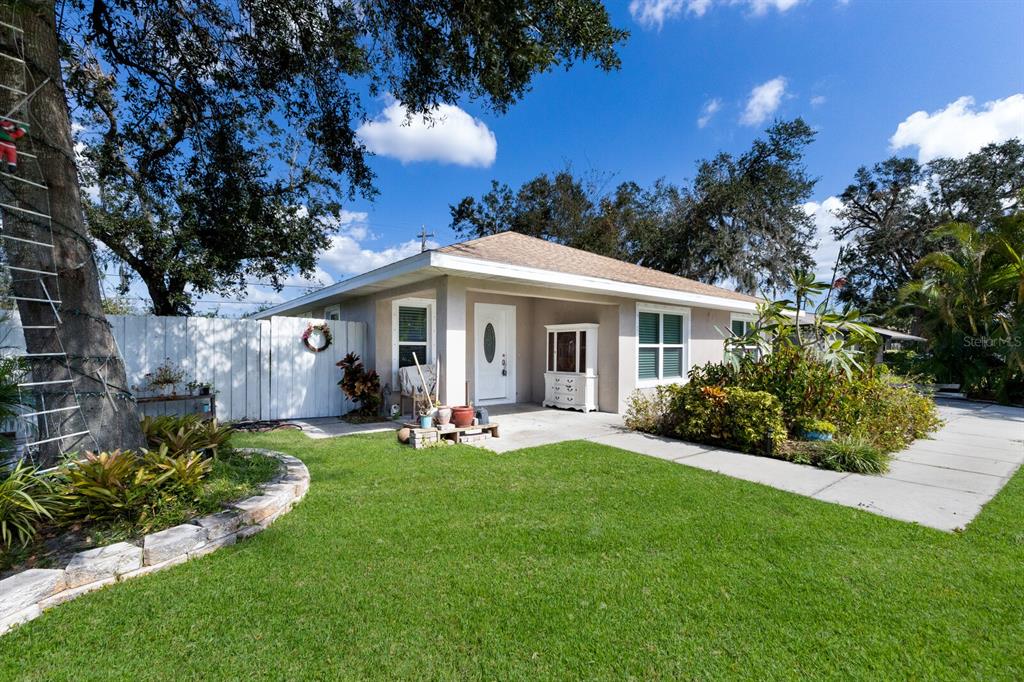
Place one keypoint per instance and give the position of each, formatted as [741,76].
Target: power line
[207,300]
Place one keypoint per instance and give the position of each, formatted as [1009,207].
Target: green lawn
[572,560]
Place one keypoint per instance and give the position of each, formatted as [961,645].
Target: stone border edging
[24,596]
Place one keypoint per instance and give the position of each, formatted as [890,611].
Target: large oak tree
[221,135]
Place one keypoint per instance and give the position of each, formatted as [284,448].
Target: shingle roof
[519,249]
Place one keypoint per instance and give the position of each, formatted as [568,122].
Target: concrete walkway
[941,482]
[330,427]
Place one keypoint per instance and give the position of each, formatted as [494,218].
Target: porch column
[627,354]
[451,339]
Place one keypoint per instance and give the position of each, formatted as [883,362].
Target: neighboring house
[513,318]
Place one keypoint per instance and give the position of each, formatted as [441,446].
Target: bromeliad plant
[27,500]
[187,433]
[819,333]
[127,486]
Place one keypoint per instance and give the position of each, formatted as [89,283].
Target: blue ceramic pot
[817,435]
[426,421]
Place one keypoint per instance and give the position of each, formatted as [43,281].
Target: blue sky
[854,70]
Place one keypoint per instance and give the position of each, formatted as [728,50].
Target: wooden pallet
[456,434]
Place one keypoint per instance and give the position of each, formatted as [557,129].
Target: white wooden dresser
[570,379]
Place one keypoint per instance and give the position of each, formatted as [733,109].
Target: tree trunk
[82,332]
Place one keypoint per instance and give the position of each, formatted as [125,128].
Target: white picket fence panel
[260,369]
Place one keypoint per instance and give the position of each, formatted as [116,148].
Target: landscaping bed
[99,499]
[25,595]
[234,476]
[791,406]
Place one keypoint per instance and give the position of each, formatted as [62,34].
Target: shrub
[647,411]
[804,425]
[890,416]
[908,363]
[868,403]
[187,433]
[857,455]
[26,501]
[749,421]
[359,384]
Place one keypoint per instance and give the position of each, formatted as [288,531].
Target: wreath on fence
[325,332]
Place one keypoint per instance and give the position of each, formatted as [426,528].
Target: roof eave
[381,274]
[464,265]
[486,268]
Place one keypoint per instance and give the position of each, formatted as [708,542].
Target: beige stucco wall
[706,329]
[536,306]
[525,363]
[549,311]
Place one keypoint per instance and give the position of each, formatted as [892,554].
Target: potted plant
[165,378]
[199,387]
[362,386]
[426,417]
[815,429]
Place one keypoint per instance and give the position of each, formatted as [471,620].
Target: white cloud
[760,7]
[827,250]
[708,111]
[654,13]
[960,129]
[764,100]
[818,100]
[349,217]
[346,255]
[450,135]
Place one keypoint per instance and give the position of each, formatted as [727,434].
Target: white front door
[495,353]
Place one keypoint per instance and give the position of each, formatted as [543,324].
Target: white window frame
[430,305]
[336,309]
[748,319]
[663,310]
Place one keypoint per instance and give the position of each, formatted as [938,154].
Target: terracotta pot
[444,415]
[462,416]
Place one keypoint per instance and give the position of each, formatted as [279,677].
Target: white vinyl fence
[259,369]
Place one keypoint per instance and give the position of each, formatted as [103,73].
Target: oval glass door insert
[489,342]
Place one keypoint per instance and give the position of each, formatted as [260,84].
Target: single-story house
[515,319]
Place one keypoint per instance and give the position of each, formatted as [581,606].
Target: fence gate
[260,369]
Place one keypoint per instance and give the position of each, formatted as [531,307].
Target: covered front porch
[493,344]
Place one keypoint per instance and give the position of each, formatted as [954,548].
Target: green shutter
[673,329]
[412,324]
[672,363]
[739,327]
[648,363]
[648,332]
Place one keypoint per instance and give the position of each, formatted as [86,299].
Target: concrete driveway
[941,482]
[527,426]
